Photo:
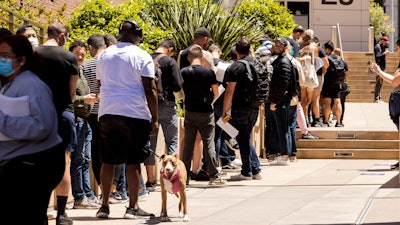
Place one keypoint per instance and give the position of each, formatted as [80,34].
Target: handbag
[310,75]
[344,88]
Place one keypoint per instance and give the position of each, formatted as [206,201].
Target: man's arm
[150,89]
[73,85]
[228,96]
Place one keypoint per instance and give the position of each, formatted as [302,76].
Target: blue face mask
[6,67]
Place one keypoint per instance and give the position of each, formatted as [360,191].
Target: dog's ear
[163,156]
[176,155]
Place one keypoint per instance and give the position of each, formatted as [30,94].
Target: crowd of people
[106,112]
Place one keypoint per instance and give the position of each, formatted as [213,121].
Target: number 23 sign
[342,2]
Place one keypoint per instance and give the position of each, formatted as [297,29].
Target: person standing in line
[344,90]
[202,37]
[243,115]
[394,100]
[380,52]
[32,157]
[59,71]
[331,89]
[282,90]
[84,197]
[127,114]
[171,81]
[201,88]
[97,44]
[226,156]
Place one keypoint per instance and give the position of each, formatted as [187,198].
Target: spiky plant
[183,17]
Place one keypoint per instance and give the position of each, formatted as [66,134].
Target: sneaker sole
[102,215]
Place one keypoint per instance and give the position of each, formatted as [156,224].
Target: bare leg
[133,178]
[106,177]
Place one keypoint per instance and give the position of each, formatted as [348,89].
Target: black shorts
[331,91]
[123,139]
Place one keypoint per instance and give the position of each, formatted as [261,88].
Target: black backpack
[336,69]
[257,84]
[158,74]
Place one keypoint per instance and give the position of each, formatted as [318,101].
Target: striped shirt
[89,71]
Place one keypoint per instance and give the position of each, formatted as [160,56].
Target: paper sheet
[221,90]
[221,66]
[13,107]
[228,128]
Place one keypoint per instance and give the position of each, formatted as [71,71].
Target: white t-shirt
[120,69]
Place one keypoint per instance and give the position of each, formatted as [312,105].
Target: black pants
[27,183]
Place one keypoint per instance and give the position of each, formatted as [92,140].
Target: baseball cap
[203,32]
[23,28]
[384,38]
[282,40]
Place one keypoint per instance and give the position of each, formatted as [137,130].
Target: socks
[61,204]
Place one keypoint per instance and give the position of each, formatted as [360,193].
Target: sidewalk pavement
[309,191]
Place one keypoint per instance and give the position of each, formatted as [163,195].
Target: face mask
[6,69]
[34,41]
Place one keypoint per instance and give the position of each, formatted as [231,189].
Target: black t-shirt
[57,67]
[171,78]
[184,62]
[236,72]
[321,54]
[196,86]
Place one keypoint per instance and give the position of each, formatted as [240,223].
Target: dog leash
[147,148]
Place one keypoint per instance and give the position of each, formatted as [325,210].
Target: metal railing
[13,24]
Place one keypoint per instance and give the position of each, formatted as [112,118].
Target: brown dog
[173,179]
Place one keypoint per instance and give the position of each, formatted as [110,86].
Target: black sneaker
[309,136]
[394,166]
[339,125]
[132,213]
[200,176]
[151,186]
[230,168]
[103,212]
[63,220]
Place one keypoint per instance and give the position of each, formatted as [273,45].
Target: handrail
[11,22]
[340,39]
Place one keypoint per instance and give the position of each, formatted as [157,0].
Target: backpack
[257,84]
[336,69]
[158,75]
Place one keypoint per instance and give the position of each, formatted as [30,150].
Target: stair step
[310,153]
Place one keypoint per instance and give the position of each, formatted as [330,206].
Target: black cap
[282,40]
[203,32]
[23,28]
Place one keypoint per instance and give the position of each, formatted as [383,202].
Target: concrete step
[348,144]
[312,153]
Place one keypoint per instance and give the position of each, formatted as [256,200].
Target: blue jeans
[168,119]
[292,114]
[244,120]
[80,161]
[280,135]
[226,155]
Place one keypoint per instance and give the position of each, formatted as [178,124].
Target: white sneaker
[240,177]
[283,161]
[237,162]
[256,176]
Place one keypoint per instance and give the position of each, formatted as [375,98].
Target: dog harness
[171,184]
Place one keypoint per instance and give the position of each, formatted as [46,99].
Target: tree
[104,17]
[379,20]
